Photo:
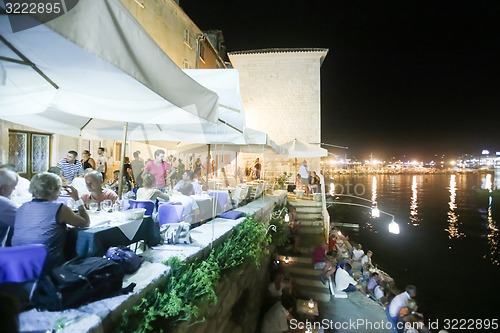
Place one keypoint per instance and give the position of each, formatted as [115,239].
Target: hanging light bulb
[394,227]
[287,218]
[375,211]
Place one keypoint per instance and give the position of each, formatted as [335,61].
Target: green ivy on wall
[191,285]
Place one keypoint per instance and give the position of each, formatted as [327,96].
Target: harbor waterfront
[448,244]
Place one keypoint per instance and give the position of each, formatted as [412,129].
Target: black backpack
[80,281]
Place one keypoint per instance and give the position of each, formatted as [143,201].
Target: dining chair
[147,204]
[169,213]
[21,267]
[236,196]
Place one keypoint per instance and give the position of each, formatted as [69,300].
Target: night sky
[412,78]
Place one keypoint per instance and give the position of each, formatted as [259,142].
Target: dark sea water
[448,244]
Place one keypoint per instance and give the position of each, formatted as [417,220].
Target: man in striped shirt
[70,166]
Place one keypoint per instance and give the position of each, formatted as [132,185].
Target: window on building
[187,37]
[185,64]
[201,52]
[29,152]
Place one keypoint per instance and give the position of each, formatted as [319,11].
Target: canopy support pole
[122,160]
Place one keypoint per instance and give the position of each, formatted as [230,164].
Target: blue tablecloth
[95,241]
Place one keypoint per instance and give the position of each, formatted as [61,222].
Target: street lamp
[393,226]
[375,210]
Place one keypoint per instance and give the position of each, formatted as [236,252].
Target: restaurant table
[305,311]
[222,198]
[95,241]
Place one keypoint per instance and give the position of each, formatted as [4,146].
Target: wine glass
[106,205]
[93,207]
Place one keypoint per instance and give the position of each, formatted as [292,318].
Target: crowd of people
[349,268]
[31,210]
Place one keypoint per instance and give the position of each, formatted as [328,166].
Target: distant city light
[485,152]
[453,162]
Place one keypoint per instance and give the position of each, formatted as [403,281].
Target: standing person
[102,162]
[181,168]
[70,166]
[137,168]
[197,167]
[159,168]
[87,161]
[127,169]
[8,182]
[304,176]
[257,167]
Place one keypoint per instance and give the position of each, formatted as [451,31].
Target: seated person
[315,183]
[8,182]
[278,285]
[399,301]
[186,184]
[342,252]
[293,229]
[357,253]
[276,318]
[149,191]
[43,221]
[366,260]
[113,183]
[318,258]
[97,193]
[329,269]
[372,283]
[23,184]
[127,192]
[344,281]
[79,182]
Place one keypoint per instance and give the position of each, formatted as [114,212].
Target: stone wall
[241,293]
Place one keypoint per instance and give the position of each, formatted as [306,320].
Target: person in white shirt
[102,162]
[344,281]
[276,318]
[366,260]
[400,301]
[277,286]
[23,185]
[304,176]
[8,181]
[357,253]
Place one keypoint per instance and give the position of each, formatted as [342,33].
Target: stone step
[305,229]
[307,209]
[311,223]
[309,216]
[305,203]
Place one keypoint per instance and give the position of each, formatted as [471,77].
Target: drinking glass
[106,205]
[93,207]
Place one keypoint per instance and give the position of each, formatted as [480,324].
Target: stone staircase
[304,277]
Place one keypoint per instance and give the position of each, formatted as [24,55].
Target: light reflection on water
[414,220]
[453,223]
[492,235]
[374,189]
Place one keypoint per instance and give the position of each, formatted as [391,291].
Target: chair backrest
[168,213]
[236,196]
[23,263]
[21,267]
[258,190]
[244,192]
[148,205]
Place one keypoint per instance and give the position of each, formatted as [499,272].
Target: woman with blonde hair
[149,191]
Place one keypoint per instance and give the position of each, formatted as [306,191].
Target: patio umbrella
[300,149]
